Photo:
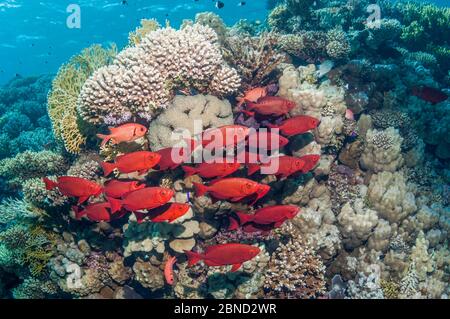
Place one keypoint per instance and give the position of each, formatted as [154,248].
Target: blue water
[35,39]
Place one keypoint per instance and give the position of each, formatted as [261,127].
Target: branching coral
[28,165]
[294,270]
[142,79]
[255,58]
[62,99]
[147,25]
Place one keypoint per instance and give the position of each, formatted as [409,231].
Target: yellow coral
[390,289]
[147,26]
[66,86]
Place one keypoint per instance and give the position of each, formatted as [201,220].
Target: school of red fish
[155,204]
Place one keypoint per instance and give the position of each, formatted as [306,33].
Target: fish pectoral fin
[142,171]
[235,267]
[82,199]
[237,199]
[278,224]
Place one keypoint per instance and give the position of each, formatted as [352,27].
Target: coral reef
[374,217]
[142,79]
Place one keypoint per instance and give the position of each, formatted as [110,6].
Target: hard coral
[294,270]
[142,79]
[66,86]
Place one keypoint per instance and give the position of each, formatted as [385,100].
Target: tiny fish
[224,254]
[125,133]
[220,4]
[168,270]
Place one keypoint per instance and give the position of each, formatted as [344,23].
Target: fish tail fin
[244,218]
[105,138]
[233,224]
[200,189]
[188,170]
[193,257]
[107,167]
[116,204]
[78,213]
[252,169]
[49,184]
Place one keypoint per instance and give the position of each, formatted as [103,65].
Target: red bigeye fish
[175,211]
[252,95]
[140,161]
[276,215]
[310,161]
[146,198]
[233,189]
[74,187]
[172,157]
[228,135]
[168,270]
[270,106]
[224,254]
[212,170]
[429,94]
[165,213]
[266,140]
[123,133]
[117,189]
[282,166]
[99,212]
[297,125]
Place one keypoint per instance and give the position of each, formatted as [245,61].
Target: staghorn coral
[294,270]
[66,86]
[142,79]
[255,58]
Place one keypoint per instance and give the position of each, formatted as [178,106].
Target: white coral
[382,151]
[388,195]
